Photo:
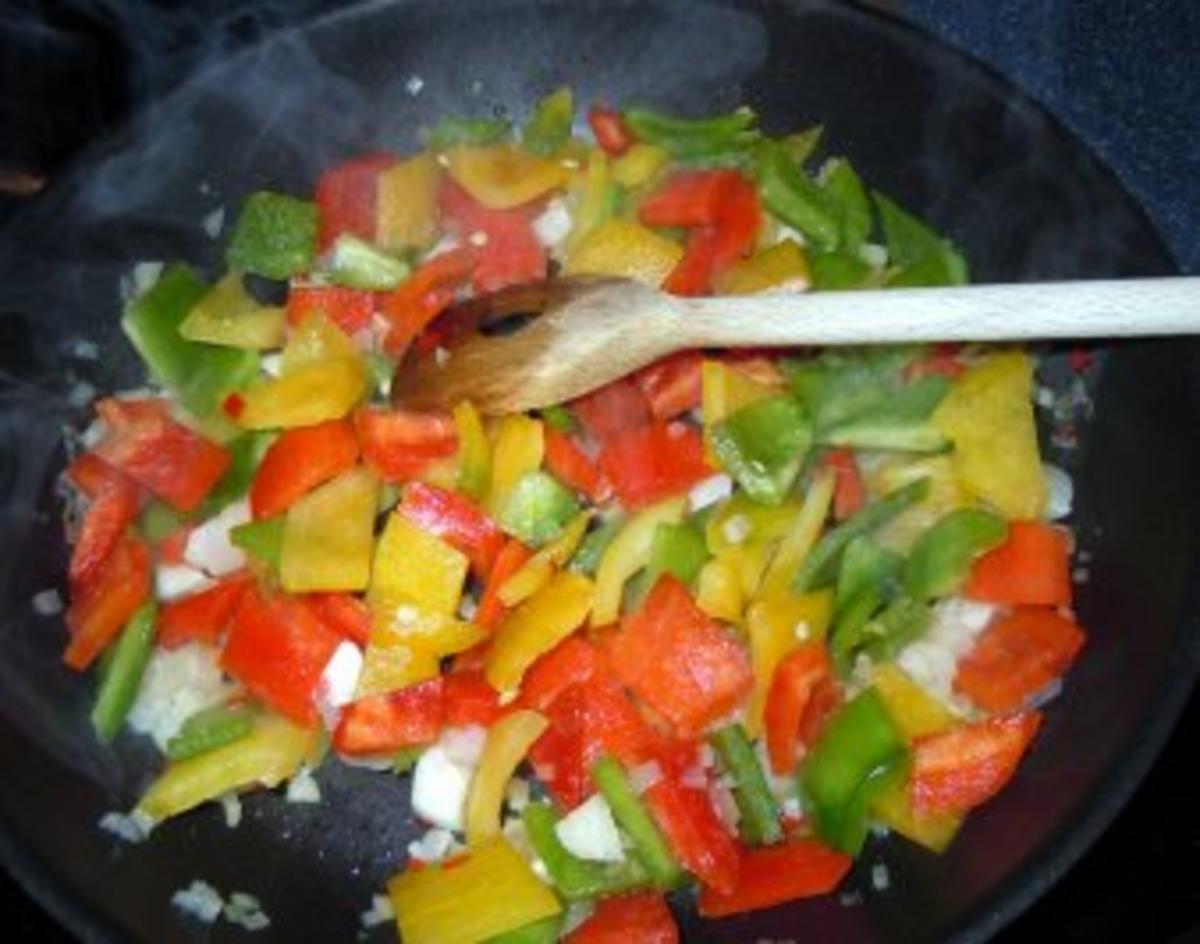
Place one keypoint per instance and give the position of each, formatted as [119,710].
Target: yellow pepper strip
[489,893]
[519,448]
[230,316]
[749,562]
[316,341]
[416,570]
[639,165]
[988,413]
[783,265]
[738,521]
[406,204]
[535,627]
[508,740]
[724,390]
[916,713]
[777,623]
[503,176]
[408,648]
[441,472]
[267,756]
[628,553]
[536,572]
[329,534]
[624,249]
[944,496]
[591,195]
[803,535]
[474,455]
[719,591]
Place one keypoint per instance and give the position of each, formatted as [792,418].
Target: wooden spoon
[592,331]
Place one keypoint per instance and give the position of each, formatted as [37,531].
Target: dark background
[1124,74]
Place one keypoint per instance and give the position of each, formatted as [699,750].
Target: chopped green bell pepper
[678,549]
[763,445]
[537,509]
[357,264]
[838,271]
[759,820]
[159,519]
[941,557]
[587,556]
[123,672]
[452,130]
[275,236]
[695,138]
[846,636]
[559,417]
[545,931]
[849,201]
[633,817]
[262,539]
[839,386]
[859,754]
[791,196]
[549,128]
[209,729]
[865,564]
[898,422]
[801,145]
[904,620]
[574,878]
[924,258]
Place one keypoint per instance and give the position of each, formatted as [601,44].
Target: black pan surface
[925,124]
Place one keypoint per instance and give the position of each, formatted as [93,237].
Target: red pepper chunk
[398,445]
[424,295]
[695,832]
[348,308]
[383,724]
[456,520]
[345,614]
[959,769]
[571,466]
[615,410]
[672,385]
[791,696]
[654,462]
[471,700]
[203,616]
[679,661]
[509,251]
[298,461]
[690,198]
[104,524]
[571,662]
[1016,657]
[100,608]
[628,919]
[143,441]
[491,612]
[774,875]
[611,133]
[1032,567]
[346,197]
[277,648]
[849,490]
[91,474]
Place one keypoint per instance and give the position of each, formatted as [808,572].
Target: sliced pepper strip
[384,724]
[298,461]
[457,521]
[491,610]
[643,918]
[800,868]
[508,740]
[796,679]
[101,607]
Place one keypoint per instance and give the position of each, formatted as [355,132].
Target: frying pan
[925,124]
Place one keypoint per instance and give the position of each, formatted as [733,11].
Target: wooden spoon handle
[1010,312]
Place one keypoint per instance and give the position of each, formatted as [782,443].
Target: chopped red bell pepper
[471,700]
[491,612]
[672,385]
[1018,656]
[277,648]
[203,616]
[774,875]
[456,520]
[690,198]
[959,769]
[610,131]
[101,607]
[572,661]
[849,490]
[424,295]
[613,411]
[383,724]
[170,550]
[346,197]
[298,461]
[942,361]
[1032,567]
[572,466]
[654,462]
[344,613]
[713,248]
[791,695]
[143,441]
[510,252]
[398,445]
[678,660]
[90,474]
[696,833]
[643,918]
[107,518]
[348,308]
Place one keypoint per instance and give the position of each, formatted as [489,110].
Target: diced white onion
[439,790]
[200,900]
[208,546]
[231,806]
[172,581]
[590,832]
[736,529]
[711,490]
[303,788]
[464,746]
[380,912]
[1060,492]
[553,224]
[47,603]
[338,682]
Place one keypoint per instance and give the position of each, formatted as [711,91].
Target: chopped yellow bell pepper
[406,204]
[416,571]
[230,316]
[988,414]
[934,831]
[316,341]
[489,893]
[624,249]
[777,623]
[803,534]
[915,711]
[592,195]
[749,562]
[503,176]
[725,390]
[782,265]
[638,166]
[268,755]
[508,741]
[536,572]
[719,591]
[944,496]
[409,648]
[628,553]
[519,448]
[440,472]
[537,626]
[328,535]
[474,472]
[738,521]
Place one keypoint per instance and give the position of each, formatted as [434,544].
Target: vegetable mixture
[705,626]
